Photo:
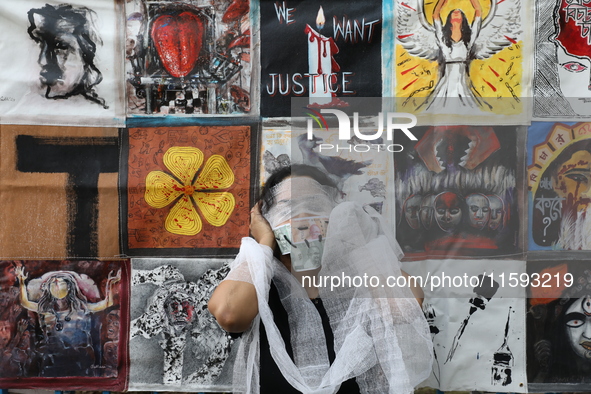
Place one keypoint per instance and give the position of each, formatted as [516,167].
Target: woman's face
[456,17]
[412,207]
[573,179]
[479,210]
[426,212]
[574,74]
[496,212]
[58,288]
[448,211]
[578,326]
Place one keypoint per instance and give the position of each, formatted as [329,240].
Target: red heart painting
[178,40]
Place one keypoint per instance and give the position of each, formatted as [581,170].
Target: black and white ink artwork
[337,168]
[376,187]
[430,314]
[503,360]
[68,39]
[175,327]
[273,164]
[483,294]
[562,57]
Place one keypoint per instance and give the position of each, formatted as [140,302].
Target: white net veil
[381,336]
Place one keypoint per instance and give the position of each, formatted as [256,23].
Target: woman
[455,40]
[66,347]
[310,338]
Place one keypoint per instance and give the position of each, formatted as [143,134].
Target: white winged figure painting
[460,54]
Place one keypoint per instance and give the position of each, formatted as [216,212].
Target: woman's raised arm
[234,303]
[477,8]
[30,305]
[437,11]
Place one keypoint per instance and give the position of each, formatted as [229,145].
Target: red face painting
[448,211]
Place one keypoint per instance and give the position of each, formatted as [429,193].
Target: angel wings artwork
[464,55]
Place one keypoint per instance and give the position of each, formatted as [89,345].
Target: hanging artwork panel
[63,63]
[323,51]
[60,184]
[559,169]
[186,190]
[468,58]
[477,323]
[456,192]
[64,324]
[361,172]
[562,60]
[175,343]
[557,326]
[189,58]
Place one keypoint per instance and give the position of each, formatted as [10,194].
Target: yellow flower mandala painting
[191,195]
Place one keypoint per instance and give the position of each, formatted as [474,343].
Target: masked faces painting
[448,211]
[411,211]
[497,212]
[447,184]
[479,210]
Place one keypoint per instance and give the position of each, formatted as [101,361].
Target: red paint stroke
[494,72]
[499,2]
[323,44]
[503,60]
[240,41]
[178,40]
[409,70]
[544,295]
[510,39]
[490,84]
[407,6]
[404,88]
[572,28]
[235,11]
[405,36]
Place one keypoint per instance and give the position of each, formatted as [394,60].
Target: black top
[271,379]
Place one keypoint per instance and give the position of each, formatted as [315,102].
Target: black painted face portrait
[68,42]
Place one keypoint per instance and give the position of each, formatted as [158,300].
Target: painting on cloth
[467,57]
[59,187]
[456,192]
[477,324]
[324,51]
[559,171]
[562,60]
[188,58]
[175,343]
[558,345]
[188,190]
[64,323]
[63,63]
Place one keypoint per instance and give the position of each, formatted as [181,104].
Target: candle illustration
[321,64]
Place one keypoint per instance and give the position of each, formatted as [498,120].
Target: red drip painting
[178,40]
[323,44]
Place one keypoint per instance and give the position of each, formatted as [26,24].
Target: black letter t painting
[323,50]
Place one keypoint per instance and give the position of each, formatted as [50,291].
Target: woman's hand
[20,274]
[261,229]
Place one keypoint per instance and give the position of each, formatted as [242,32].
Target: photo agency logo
[358,138]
